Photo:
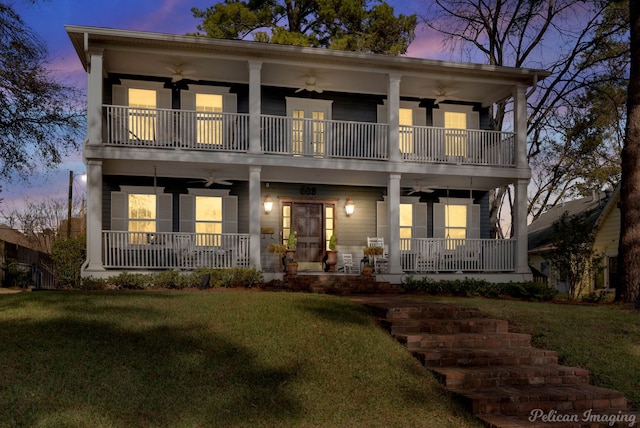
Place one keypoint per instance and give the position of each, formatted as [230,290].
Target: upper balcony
[171,129]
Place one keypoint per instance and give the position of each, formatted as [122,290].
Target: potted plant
[292,267]
[280,250]
[291,244]
[367,269]
[332,254]
[373,250]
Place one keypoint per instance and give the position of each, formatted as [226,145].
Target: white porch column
[520,118]
[94,218]
[393,112]
[520,223]
[254,106]
[393,193]
[254,216]
[94,98]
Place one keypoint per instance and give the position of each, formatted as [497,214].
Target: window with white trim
[209,116]
[406,225]
[142,113]
[456,219]
[142,211]
[455,124]
[208,220]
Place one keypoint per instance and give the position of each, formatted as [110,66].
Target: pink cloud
[427,44]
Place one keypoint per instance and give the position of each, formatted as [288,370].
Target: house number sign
[307,190]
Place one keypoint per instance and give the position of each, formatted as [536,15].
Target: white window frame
[120,208]
[439,219]
[314,138]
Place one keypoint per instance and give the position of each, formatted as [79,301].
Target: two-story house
[202,152]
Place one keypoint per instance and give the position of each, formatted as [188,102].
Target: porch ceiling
[434,177]
[204,59]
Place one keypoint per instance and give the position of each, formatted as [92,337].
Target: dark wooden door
[307,219]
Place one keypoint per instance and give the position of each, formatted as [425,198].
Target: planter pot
[292,268]
[367,271]
[332,260]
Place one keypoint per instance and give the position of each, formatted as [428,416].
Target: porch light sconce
[268,204]
[349,207]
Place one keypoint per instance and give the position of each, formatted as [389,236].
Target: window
[286,222]
[142,114]
[455,124]
[209,107]
[141,217]
[329,223]
[406,130]
[208,220]
[406,226]
[455,221]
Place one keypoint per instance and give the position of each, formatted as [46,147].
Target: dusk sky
[48,18]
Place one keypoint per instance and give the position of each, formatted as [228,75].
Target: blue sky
[48,18]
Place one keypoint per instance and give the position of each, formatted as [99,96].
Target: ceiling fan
[442,94]
[177,73]
[417,188]
[310,84]
[210,180]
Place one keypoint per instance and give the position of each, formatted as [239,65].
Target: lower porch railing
[425,255]
[159,250]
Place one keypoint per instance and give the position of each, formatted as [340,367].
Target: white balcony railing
[229,132]
[431,255]
[145,250]
[324,138]
[146,127]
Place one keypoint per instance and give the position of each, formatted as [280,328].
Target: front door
[307,218]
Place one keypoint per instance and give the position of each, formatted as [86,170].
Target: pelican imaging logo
[588,416]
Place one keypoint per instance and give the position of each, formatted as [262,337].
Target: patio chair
[347,263]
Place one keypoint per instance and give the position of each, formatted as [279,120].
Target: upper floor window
[406,130]
[142,120]
[455,124]
[209,108]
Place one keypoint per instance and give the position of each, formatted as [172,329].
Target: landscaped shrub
[94,284]
[477,287]
[231,278]
[132,281]
[68,256]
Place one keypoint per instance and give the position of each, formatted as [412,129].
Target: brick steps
[522,400]
[465,357]
[498,374]
[492,376]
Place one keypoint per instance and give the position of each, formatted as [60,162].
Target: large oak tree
[354,25]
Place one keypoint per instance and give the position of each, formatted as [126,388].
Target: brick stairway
[496,373]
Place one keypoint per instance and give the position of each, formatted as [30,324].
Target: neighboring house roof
[540,230]
[12,236]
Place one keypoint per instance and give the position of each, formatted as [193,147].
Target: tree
[40,119]
[572,253]
[351,25]
[629,244]
[574,40]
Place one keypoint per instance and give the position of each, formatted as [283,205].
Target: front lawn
[219,359]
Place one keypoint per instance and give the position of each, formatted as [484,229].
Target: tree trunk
[629,248]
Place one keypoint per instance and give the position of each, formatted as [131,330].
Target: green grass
[208,359]
[602,338]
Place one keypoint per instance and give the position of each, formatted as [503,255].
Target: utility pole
[69,204]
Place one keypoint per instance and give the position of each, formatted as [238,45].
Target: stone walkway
[502,379]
